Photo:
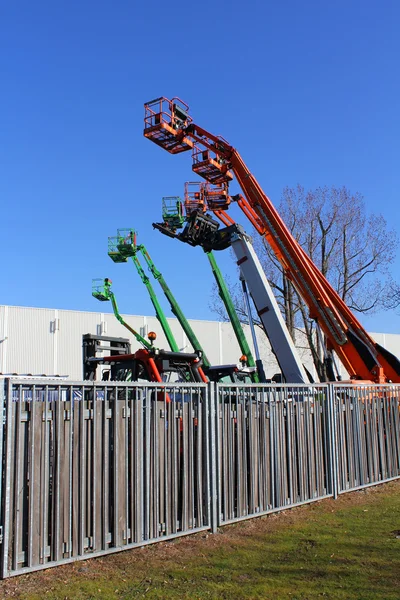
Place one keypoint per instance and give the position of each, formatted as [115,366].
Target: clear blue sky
[307,91]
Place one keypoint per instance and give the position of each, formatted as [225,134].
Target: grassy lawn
[330,549]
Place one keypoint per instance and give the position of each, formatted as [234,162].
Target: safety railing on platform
[92,468]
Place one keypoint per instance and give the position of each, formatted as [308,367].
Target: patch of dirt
[396,533]
[199,544]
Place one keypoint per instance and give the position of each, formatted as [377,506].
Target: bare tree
[352,250]
[392,297]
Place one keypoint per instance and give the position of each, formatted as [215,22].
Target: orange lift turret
[169,125]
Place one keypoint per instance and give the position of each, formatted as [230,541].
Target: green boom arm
[174,305]
[104,293]
[234,319]
[159,311]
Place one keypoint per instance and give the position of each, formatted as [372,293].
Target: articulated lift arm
[101,289]
[168,124]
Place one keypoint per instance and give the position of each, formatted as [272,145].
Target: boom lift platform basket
[113,251]
[164,120]
[122,246]
[210,166]
[194,197]
[100,289]
[126,242]
[172,211]
[200,196]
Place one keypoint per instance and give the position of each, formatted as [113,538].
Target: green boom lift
[124,246]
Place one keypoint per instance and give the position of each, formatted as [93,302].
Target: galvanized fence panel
[273,448]
[90,469]
[367,431]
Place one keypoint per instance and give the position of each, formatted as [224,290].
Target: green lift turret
[173,217]
[122,247]
[101,289]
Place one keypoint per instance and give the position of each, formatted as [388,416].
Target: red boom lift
[168,124]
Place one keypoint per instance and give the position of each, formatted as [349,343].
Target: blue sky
[307,91]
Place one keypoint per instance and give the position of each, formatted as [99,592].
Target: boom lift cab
[143,365]
[93,347]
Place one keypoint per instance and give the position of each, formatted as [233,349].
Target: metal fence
[90,469]
[273,448]
[367,435]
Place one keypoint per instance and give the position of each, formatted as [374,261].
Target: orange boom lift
[168,124]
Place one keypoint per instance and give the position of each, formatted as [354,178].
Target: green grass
[340,549]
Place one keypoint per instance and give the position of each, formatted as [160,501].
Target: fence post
[332,440]
[213,453]
[7,422]
[3,384]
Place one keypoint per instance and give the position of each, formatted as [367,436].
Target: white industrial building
[49,341]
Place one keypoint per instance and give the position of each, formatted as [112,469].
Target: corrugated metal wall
[49,341]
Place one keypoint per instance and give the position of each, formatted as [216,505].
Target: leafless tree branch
[352,249]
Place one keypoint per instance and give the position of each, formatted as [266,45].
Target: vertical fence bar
[219,420]
[8,477]
[202,473]
[242,408]
[59,416]
[70,498]
[396,435]
[81,461]
[34,491]
[213,455]
[128,530]
[3,386]
[139,472]
[17,491]
[332,433]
